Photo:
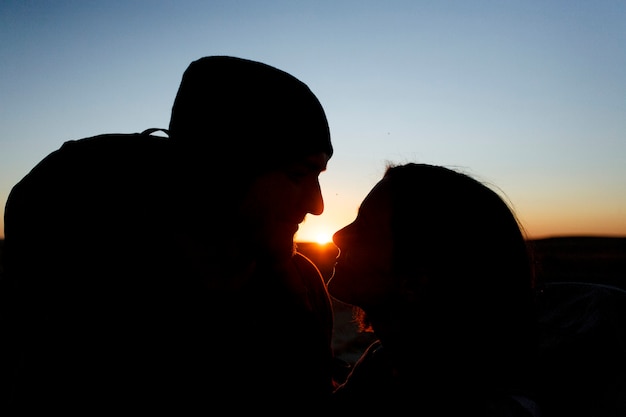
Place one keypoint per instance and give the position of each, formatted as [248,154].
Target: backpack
[82,230]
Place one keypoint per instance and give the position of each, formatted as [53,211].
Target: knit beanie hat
[247,112]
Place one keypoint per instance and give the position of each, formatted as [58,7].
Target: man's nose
[316,201]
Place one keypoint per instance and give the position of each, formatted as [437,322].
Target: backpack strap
[155,129]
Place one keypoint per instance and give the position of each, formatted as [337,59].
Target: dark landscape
[598,260]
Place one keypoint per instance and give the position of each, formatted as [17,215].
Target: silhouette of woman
[438,266]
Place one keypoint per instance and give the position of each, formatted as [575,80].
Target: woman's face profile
[362,275]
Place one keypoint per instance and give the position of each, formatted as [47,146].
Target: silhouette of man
[145,273]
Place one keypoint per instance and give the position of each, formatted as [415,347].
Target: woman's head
[439,247]
[446,223]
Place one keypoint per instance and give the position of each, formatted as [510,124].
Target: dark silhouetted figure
[438,266]
[581,370]
[152,274]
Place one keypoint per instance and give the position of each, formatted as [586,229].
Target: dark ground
[581,259]
[600,260]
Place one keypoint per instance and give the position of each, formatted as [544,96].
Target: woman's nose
[340,236]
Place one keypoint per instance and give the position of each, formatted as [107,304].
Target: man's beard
[277,248]
[271,244]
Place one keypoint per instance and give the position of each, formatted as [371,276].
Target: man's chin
[279,250]
[285,251]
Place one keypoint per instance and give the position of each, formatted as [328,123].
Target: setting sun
[323,238]
[319,229]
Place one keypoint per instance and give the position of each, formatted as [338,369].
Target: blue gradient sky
[527,95]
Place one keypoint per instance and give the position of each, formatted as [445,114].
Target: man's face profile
[279,200]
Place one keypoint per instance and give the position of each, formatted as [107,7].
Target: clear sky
[528,95]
